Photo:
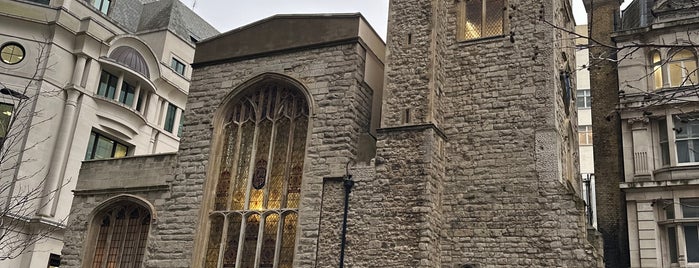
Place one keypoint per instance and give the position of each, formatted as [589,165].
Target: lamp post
[347,182]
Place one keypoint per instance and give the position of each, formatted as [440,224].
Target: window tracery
[121,235]
[254,216]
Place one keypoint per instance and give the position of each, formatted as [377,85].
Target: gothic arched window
[121,235]
[254,216]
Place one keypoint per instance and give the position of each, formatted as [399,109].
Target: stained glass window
[122,232]
[254,217]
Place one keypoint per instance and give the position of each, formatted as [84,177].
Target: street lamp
[347,182]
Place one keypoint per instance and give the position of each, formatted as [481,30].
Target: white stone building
[583,101]
[660,131]
[83,80]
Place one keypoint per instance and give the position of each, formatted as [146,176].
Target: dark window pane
[665,150]
[690,207]
[682,151]
[662,130]
[672,241]
[170,117]
[104,81]
[107,85]
[139,102]
[179,128]
[127,94]
[101,147]
[5,118]
[177,66]
[691,238]
[104,8]
[90,146]
[669,208]
[111,88]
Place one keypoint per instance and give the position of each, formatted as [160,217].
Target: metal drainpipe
[348,183]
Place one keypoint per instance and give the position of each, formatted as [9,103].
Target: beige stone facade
[463,150]
[62,108]
[657,109]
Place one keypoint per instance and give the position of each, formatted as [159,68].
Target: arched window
[657,70]
[120,235]
[254,218]
[683,69]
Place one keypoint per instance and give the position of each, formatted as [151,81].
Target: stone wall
[145,177]
[340,114]
[504,193]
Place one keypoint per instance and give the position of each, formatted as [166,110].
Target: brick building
[459,136]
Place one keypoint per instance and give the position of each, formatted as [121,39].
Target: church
[308,142]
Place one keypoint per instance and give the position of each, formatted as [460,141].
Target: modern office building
[82,80]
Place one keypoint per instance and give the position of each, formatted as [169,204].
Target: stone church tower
[474,161]
[458,134]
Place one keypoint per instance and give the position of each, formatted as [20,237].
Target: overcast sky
[226,15]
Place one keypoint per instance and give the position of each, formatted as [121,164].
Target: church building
[455,142]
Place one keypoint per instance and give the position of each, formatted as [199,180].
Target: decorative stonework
[638,123]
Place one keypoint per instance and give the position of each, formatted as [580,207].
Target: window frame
[17,45]
[669,146]
[674,222]
[656,67]
[126,91]
[585,99]
[108,92]
[686,80]
[107,209]
[91,149]
[174,63]
[212,251]
[586,132]
[462,33]
[7,128]
[170,117]
[99,5]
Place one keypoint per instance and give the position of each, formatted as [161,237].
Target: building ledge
[656,184]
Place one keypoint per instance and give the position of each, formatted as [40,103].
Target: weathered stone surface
[473,162]
[97,186]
